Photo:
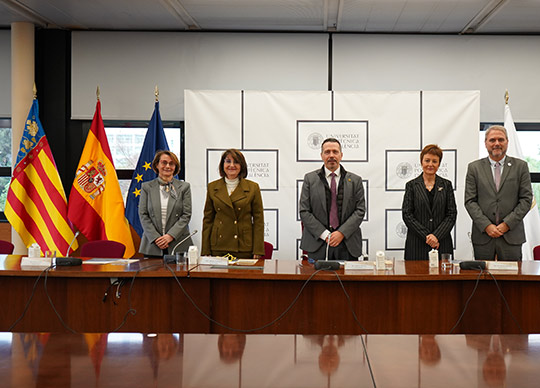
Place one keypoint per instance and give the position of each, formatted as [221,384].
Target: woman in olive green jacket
[233,214]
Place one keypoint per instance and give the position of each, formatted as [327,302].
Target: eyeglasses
[165,163]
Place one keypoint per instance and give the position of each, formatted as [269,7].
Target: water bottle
[34,251]
[380,261]
[193,254]
[434,258]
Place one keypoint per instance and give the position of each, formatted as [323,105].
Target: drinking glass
[446,261]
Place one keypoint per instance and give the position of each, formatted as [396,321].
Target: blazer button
[239,208]
[220,236]
[219,209]
[235,236]
[221,223]
[235,221]
[431,220]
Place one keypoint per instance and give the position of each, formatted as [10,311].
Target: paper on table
[97,260]
[246,261]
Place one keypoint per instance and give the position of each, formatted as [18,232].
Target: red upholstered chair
[103,249]
[536,252]
[6,248]
[268,250]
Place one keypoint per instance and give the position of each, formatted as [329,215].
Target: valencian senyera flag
[36,205]
[96,206]
[155,140]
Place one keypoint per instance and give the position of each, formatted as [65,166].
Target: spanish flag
[96,206]
[36,205]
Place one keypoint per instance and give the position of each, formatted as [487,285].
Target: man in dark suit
[332,207]
[498,195]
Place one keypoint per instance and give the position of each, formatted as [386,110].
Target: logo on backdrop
[401,230]
[403,165]
[353,136]
[271,222]
[262,167]
[315,140]
[404,170]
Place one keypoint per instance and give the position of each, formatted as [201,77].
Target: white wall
[127,66]
[5,73]
[490,64]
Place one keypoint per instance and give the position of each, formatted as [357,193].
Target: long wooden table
[238,360]
[407,299]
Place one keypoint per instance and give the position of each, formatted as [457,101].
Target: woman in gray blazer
[429,209]
[165,208]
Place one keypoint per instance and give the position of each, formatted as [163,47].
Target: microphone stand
[72,241]
[69,261]
[171,259]
[327,264]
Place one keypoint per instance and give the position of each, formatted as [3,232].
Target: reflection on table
[239,360]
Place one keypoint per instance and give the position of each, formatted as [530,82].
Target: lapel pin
[440,188]
[509,164]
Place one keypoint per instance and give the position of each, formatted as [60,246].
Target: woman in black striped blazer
[429,209]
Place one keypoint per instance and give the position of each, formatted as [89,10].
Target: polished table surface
[409,298]
[263,360]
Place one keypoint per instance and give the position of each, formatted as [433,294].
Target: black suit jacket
[422,220]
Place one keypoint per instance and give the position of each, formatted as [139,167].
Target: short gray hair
[496,128]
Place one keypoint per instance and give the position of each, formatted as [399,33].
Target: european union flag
[154,141]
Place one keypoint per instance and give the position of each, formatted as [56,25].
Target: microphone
[470,242]
[326,264]
[171,259]
[72,241]
[69,261]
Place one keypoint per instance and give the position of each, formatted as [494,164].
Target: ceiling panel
[306,15]
[413,16]
[371,16]
[515,17]
[107,14]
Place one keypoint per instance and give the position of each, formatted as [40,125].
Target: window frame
[124,173]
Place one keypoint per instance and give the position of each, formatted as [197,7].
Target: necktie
[497,183]
[334,219]
[497,175]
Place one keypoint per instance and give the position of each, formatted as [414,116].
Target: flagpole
[506,97]
[97,92]
[156,93]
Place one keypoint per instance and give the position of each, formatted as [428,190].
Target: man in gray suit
[332,207]
[498,195]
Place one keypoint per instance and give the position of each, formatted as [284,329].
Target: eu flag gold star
[137,192]
[138,178]
[147,166]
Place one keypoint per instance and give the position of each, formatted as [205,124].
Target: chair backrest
[6,248]
[536,252]
[268,250]
[103,249]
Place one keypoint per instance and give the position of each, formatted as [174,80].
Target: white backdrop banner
[382,133]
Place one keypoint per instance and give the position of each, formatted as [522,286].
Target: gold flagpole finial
[506,97]
[34,90]
[97,93]
[156,93]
